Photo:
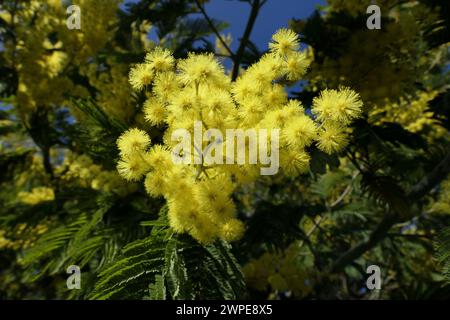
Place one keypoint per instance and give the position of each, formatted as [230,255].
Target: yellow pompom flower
[132,168]
[204,231]
[160,59]
[141,75]
[165,85]
[133,140]
[293,108]
[342,105]
[232,230]
[181,215]
[275,96]
[182,105]
[332,138]
[293,162]
[155,184]
[154,111]
[252,110]
[243,88]
[296,65]
[222,209]
[279,118]
[180,187]
[159,157]
[266,70]
[185,216]
[200,68]
[219,103]
[299,132]
[209,191]
[285,41]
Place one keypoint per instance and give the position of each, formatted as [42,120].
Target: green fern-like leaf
[167,265]
[443,252]
[158,289]
[175,271]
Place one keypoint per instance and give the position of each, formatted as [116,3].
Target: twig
[344,193]
[439,173]
[214,29]
[256,5]
[311,230]
[342,196]
[377,235]
[353,160]
[431,180]
[406,235]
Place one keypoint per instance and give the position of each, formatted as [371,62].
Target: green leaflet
[166,265]
[443,252]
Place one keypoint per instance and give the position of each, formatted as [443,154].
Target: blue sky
[274,14]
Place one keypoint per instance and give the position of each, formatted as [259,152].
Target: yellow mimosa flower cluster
[38,58]
[197,91]
[280,272]
[412,113]
[22,237]
[82,171]
[37,195]
[442,205]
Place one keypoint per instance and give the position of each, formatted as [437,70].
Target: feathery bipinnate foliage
[165,265]
[443,249]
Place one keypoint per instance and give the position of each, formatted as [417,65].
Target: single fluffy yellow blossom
[294,162]
[160,60]
[141,75]
[155,184]
[132,167]
[160,158]
[332,138]
[232,230]
[299,132]
[200,68]
[154,111]
[164,85]
[285,41]
[342,105]
[132,141]
[296,65]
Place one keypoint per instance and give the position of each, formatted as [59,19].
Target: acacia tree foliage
[383,199]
